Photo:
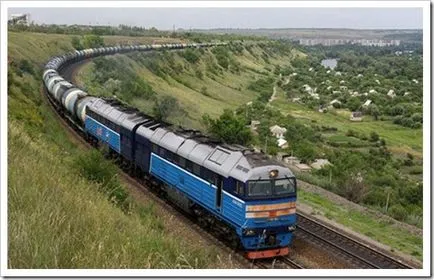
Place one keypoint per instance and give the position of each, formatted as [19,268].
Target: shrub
[351,133]
[191,55]
[199,74]
[204,91]
[374,137]
[76,43]
[417,117]
[398,212]
[26,67]
[94,167]
[416,170]
[229,128]
[93,41]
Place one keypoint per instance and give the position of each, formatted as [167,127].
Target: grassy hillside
[200,82]
[60,214]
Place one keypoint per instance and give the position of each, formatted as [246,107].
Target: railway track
[359,254]
[278,263]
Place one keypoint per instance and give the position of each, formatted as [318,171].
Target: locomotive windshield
[278,187]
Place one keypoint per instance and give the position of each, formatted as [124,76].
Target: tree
[374,111]
[75,41]
[229,128]
[166,107]
[374,136]
[353,103]
[93,41]
[354,188]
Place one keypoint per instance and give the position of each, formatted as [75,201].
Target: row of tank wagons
[57,62]
[74,99]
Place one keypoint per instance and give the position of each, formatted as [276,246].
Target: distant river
[329,62]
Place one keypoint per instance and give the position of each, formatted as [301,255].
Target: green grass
[365,223]
[346,140]
[58,219]
[58,215]
[399,139]
[225,91]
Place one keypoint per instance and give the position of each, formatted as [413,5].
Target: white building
[391,93]
[335,101]
[320,163]
[278,131]
[282,143]
[367,103]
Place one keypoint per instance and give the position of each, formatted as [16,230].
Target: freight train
[241,194]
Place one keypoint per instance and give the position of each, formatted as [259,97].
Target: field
[400,139]
[59,216]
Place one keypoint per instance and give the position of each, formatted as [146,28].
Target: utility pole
[387,200]
[330,178]
[266,144]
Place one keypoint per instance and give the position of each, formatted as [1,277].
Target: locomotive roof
[234,161]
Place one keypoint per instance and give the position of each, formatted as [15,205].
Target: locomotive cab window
[239,188]
[260,188]
[275,187]
[284,186]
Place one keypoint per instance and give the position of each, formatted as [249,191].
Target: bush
[417,117]
[94,167]
[374,137]
[191,55]
[305,151]
[166,107]
[26,67]
[229,128]
[351,133]
[76,43]
[222,56]
[416,170]
[204,91]
[398,212]
[198,74]
[93,41]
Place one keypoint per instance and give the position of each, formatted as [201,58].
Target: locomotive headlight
[249,232]
[291,228]
[273,173]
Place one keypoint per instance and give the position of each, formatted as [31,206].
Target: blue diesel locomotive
[242,195]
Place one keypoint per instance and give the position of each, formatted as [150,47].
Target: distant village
[363,42]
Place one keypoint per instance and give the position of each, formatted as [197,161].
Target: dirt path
[273,96]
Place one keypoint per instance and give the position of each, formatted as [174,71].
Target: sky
[208,18]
